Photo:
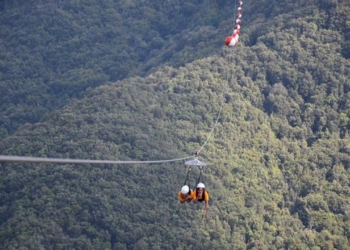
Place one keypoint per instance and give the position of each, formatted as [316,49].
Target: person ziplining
[199,194]
[186,193]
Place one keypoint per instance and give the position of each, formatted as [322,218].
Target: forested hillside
[52,51]
[279,160]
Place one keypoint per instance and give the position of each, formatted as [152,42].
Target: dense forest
[144,80]
[52,52]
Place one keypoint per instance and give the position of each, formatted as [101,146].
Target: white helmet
[185,189]
[200,185]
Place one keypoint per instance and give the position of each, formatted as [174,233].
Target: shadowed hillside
[52,52]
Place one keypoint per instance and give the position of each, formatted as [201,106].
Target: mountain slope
[278,162]
[52,52]
[266,192]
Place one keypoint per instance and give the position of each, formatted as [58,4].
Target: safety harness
[187,180]
[199,180]
[195,162]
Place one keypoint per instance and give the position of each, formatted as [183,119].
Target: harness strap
[187,180]
[200,175]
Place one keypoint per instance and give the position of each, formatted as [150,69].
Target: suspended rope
[5,158]
[216,121]
[230,41]
[187,180]
[199,177]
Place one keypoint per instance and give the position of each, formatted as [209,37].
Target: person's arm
[206,206]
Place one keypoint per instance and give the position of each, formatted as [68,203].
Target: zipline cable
[217,119]
[5,158]
[227,80]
